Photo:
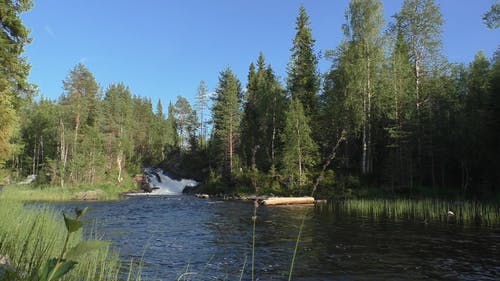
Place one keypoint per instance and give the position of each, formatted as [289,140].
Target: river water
[212,240]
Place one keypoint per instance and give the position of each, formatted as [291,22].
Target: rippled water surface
[213,240]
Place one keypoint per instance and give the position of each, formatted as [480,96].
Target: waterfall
[162,184]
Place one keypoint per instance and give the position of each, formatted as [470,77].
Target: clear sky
[162,49]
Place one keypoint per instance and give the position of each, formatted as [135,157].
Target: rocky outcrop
[142,184]
[7,272]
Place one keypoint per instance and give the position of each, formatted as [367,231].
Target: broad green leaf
[71,224]
[64,267]
[84,247]
[47,269]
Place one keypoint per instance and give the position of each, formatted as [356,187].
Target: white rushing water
[164,185]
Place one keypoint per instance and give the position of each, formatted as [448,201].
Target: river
[212,239]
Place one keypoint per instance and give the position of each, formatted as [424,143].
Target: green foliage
[412,119]
[226,122]
[362,65]
[187,123]
[492,17]
[300,151]
[34,239]
[56,268]
[303,78]
[201,106]
[263,116]
[14,70]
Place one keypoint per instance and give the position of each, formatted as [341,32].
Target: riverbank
[99,192]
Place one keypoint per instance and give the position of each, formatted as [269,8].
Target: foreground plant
[55,268]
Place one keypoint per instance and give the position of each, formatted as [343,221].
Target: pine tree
[492,17]
[300,151]
[80,105]
[226,120]
[303,78]
[14,70]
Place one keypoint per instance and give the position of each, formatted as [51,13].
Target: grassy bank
[57,193]
[427,210]
[30,237]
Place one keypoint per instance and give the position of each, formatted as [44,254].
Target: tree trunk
[364,142]
[369,120]
[63,152]
[299,149]
[231,145]
[119,160]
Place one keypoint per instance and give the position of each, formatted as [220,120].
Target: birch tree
[363,32]
[300,151]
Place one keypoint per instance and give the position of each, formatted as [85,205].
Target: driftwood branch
[330,158]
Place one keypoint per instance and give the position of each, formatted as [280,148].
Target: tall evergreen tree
[80,102]
[303,79]
[262,117]
[14,70]
[171,129]
[226,120]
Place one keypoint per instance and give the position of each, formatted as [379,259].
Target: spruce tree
[172,135]
[262,117]
[303,78]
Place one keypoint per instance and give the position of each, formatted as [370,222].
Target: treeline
[400,116]
[406,119]
[87,137]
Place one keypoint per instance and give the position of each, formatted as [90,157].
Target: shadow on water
[214,238]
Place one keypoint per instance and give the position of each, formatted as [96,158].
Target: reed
[30,237]
[464,212]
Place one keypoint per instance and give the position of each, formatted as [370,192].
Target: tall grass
[464,212]
[30,237]
[57,193]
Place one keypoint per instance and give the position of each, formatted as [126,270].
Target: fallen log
[287,201]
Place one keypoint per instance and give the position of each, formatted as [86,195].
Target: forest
[391,116]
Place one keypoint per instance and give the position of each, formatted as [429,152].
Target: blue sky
[162,49]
